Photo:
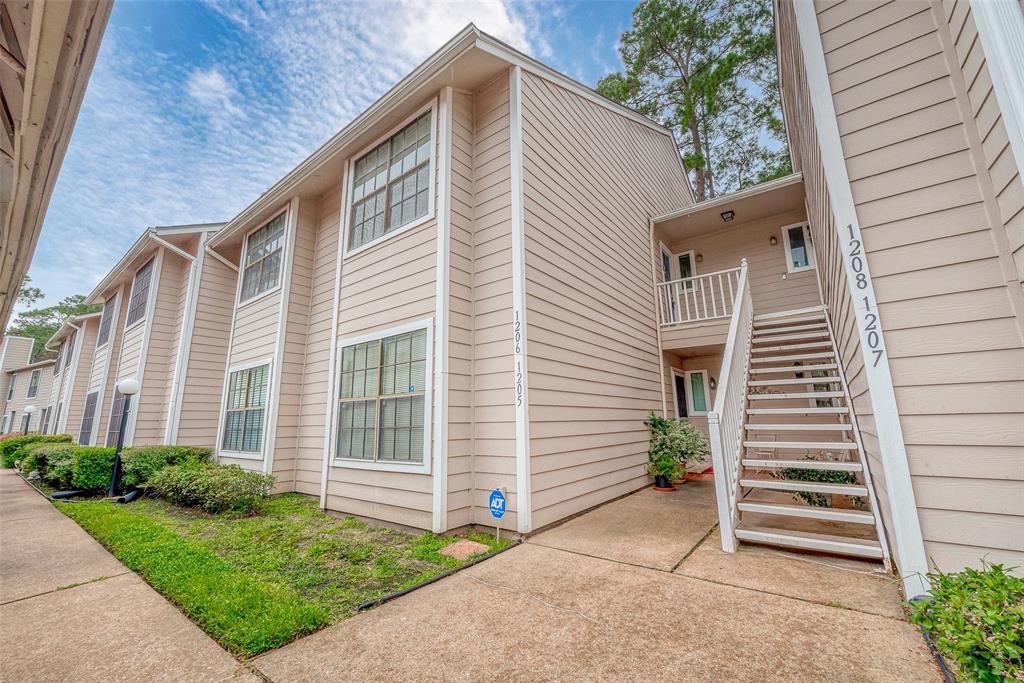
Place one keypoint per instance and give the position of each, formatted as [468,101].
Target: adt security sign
[497,504]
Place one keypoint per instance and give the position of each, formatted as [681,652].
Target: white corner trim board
[1001,32]
[906,527]
[195,274]
[441,304]
[519,327]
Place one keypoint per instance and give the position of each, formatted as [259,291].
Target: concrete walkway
[637,590]
[71,612]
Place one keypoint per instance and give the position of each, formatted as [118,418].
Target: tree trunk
[699,172]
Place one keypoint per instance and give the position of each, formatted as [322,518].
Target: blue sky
[195,108]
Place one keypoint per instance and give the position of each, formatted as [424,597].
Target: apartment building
[74,344]
[26,392]
[151,301]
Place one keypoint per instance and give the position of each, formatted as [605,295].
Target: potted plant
[673,443]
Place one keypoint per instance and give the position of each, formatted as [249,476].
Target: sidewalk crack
[64,588]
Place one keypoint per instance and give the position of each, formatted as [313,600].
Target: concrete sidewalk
[71,612]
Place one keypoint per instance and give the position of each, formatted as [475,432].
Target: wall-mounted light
[728,215]
[712,383]
[773,240]
[700,258]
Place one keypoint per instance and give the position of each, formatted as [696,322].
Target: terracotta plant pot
[662,483]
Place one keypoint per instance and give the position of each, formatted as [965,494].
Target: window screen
[88,416]
[263,250]
[140,294]
[243,419]
[106,321]
[33,383]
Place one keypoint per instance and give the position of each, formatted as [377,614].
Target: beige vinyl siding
[935,240]
[386,285]
[696,334]
[461,319]
[204,376]
[74,397]
[20,400]
[293,357]
[591,181]
[319,340]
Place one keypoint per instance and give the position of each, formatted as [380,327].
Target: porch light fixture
[773,240]
[128,388]
[712,383]
[728,215]
[700,258]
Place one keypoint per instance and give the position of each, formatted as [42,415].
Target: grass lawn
[256,583]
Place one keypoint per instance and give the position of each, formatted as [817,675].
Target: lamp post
[128,388]
[28,417]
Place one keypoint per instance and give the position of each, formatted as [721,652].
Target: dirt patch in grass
[321,566]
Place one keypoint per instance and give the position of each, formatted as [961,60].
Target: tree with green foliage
[706,69]
[43,323]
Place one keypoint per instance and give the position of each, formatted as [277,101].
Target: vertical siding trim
[519,326]
[231,339]
[1000,25]
[906,532]
[67,379]
[270,440]
[444,166]
[140,371]
[185,340]
[655,252]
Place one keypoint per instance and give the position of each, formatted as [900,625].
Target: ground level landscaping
[257,582]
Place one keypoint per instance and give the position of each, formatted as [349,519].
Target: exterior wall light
[773,240]
[728,215]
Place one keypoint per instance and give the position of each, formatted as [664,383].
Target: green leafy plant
[673,444]
[822,500]
[976,618]
[10,447]
[138,465]
[212,488]
[57,461]
[91,468]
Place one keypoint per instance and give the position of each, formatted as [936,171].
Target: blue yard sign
[497,504]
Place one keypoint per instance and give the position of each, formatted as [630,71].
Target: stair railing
[726,421]
[702,297]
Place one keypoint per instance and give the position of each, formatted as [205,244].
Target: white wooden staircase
[797,417]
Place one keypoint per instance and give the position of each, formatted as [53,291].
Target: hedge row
[12,444]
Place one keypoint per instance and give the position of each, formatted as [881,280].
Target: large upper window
[33,383]
[69,349]
[88,417]
[10,387]
[263,250]
[243,417]
[382,399]
[140,294]
[60,356]
[114,424]
[391,183]
[106,321]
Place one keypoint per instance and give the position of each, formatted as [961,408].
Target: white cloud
[212,91]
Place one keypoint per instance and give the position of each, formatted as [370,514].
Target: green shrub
[91,468]
[213,488]
[673,441]
[58,462]
[138,465]
[11,445]
[976,618]
[822,500]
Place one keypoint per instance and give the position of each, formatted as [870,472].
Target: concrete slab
[649,528]
[22,504]
[826,580]
[119,629]
[43,553]
[541,614]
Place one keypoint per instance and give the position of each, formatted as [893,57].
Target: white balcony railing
[703,297]
[726,420]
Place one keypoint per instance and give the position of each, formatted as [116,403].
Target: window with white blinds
[382,399]
[33,383]
[263,253]
[243,417]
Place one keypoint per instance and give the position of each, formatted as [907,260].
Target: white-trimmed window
[60,357]
[244,409]
[383,398]
[114,424]
[7,425]
[106,321]
[33,383]
[69,350]
[140,294]
[47,414]
[799,253]
[392,184]
[10,387]
[698,392]
[56,417]
[264,248]
[88,417]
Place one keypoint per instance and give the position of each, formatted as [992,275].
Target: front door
[679,381]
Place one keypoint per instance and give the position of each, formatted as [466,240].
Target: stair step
[823,465]
[809,410]
[792,347]
[807,511]
[798,380]
[808,486]
[783,359]
[768,325]
[792,328]
[809,445]
[818,310]
[796,368]
[805,427]
[806,540]
[789,337]
[802,394]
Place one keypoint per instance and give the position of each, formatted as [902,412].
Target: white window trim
[11,386]
[114,315]
[7,423]
[245,455]
[35,374]
[428,403]
[239,303]
[676,372]
[693,412]
[431,195]
[811,263]
[149,295]
[665,251]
